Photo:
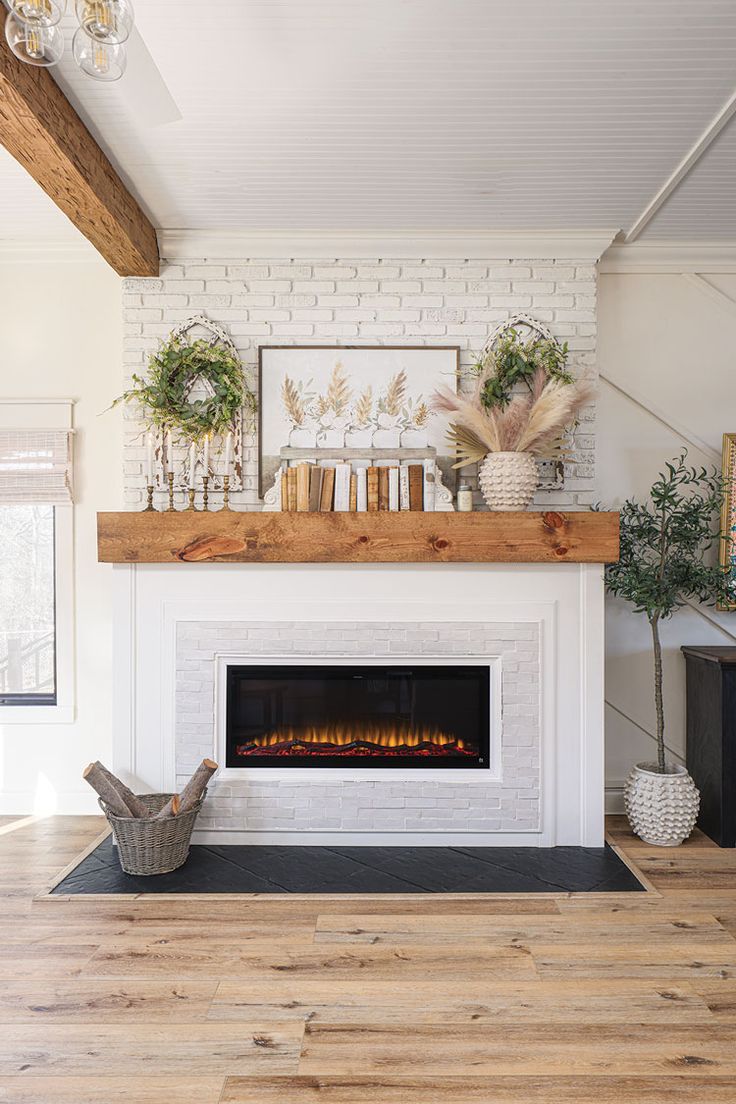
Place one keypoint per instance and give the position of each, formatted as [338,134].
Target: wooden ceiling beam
[43,132]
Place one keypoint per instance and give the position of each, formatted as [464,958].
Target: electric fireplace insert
[359,716]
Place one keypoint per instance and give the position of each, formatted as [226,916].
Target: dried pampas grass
[535,423]
[556,408]
[469,416]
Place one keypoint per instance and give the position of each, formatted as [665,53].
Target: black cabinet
[711,738]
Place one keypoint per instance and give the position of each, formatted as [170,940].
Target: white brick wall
[507,802]
[371,302]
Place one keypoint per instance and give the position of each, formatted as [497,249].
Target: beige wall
[666,345]
[667,353]
[61,337]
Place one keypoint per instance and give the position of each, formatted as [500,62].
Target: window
[36,563]
[27,606]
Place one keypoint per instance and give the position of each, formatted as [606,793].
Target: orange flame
[392,736]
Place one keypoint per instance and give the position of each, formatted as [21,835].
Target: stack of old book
[358,486]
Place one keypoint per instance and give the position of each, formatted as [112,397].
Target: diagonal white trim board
[690,159]
[665,420]
[610,705]
[720,298]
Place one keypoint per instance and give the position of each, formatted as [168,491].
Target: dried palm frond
[364,407]
[468,446]
[559,448]
[292,401]
[395,393]
[338,390]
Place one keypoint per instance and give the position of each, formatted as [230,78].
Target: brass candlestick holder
[149,504]
[170,481]
[226,492]
[191,494]
[205,495]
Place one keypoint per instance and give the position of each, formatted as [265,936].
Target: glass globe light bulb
[103,61]
[34,43]
[44,13]
[108,21]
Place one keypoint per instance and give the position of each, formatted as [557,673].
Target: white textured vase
[508,480]
[662,808]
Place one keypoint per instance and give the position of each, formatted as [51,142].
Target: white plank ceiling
[414,114]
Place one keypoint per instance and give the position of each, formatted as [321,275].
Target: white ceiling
[414,114]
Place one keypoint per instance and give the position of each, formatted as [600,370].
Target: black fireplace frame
[480,671]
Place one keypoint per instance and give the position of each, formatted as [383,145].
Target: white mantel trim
[466,244]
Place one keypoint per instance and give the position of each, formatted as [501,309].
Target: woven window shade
[35,466]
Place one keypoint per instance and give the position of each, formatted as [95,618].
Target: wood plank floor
[418,1000]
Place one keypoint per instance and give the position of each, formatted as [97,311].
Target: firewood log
[134,803]
[102,783]
[193,790]
[197,784]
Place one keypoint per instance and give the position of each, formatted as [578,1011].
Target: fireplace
[393,715]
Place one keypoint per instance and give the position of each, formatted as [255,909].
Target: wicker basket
[152,846]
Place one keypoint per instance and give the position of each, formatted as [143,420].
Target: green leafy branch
[513,361]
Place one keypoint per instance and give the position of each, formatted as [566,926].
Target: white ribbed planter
[662,808]
[508,480]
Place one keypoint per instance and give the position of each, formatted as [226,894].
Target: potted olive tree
[662,565]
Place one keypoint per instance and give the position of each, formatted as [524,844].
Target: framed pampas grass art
[352,402]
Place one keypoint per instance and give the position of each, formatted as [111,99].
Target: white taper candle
[149,459]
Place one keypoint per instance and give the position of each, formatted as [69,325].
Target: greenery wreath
[511,360]
[172,372]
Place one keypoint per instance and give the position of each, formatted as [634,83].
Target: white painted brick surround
[364,301]
[506,800]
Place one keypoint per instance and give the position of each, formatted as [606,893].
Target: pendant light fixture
[41,13]
[108,21]
[33,34]
[103,61]
[37,44]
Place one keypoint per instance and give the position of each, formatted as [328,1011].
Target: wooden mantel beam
[43,132]
[413,537]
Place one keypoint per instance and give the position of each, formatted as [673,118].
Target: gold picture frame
[728,513]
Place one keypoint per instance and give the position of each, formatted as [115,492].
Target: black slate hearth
[273,869]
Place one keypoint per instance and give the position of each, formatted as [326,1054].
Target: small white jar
[464,498]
